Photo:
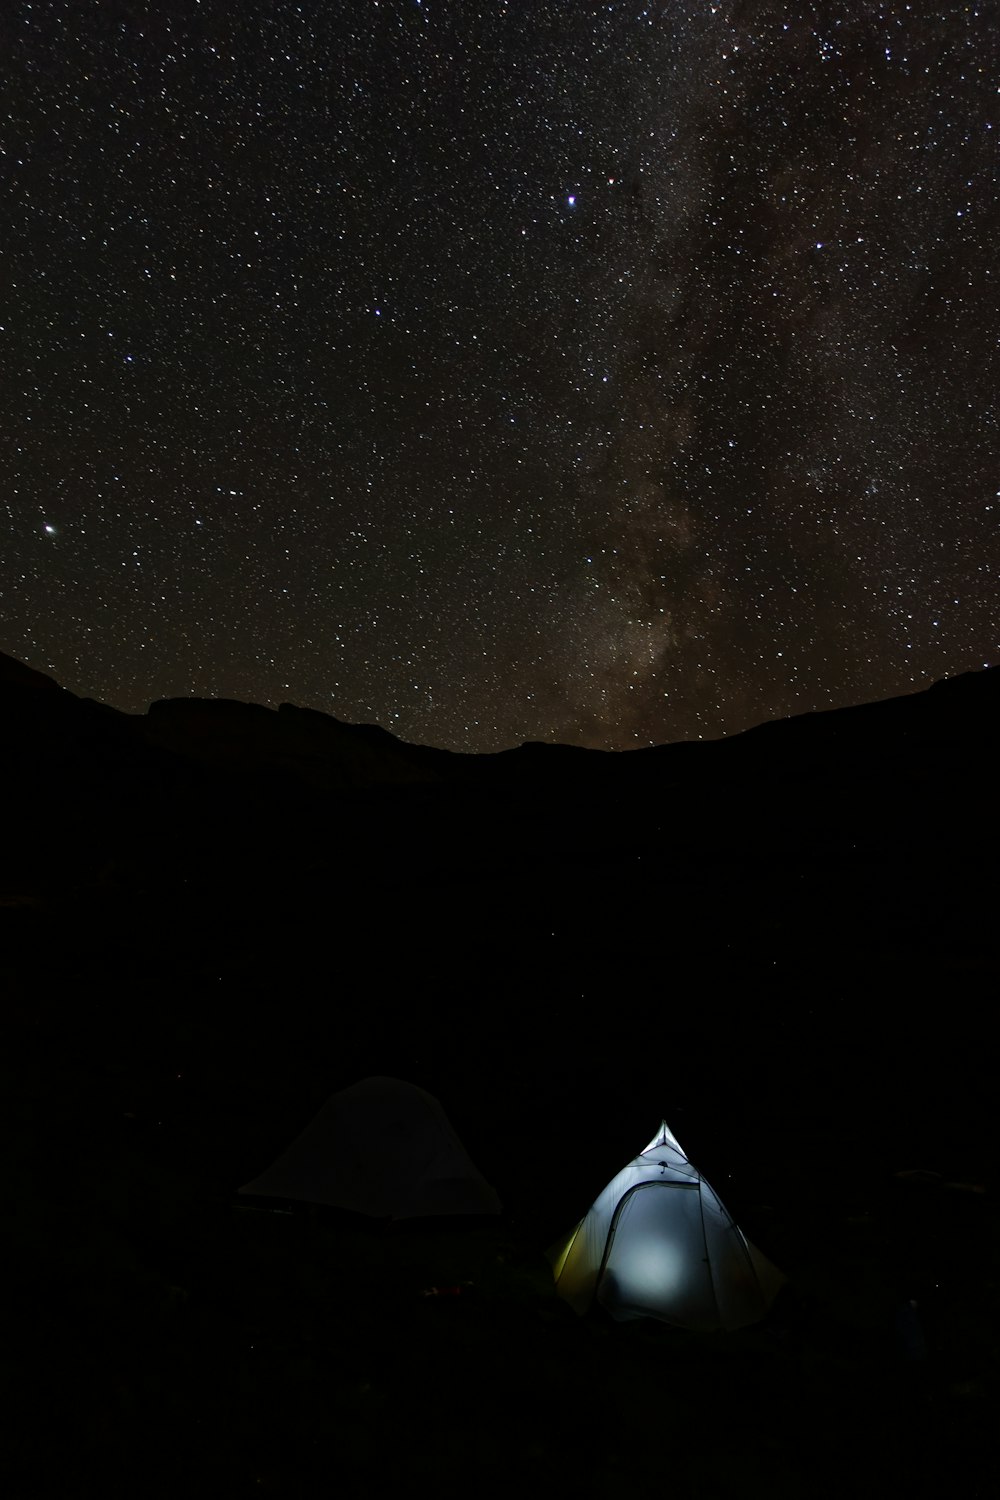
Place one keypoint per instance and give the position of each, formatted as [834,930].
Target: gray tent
[382,1147]
[658,1243]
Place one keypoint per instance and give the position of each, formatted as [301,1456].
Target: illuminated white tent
[384,1148]
[658,1243]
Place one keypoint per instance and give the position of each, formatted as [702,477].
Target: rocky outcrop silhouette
[198,784]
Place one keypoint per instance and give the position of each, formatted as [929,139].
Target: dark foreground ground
[800,976]
[165,1337]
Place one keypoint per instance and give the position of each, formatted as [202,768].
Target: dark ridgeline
[215,915]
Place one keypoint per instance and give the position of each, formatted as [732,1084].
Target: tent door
[656,1262]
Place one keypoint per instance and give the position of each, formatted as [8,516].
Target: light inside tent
[648,1269]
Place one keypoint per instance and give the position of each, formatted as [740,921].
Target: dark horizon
[11,668]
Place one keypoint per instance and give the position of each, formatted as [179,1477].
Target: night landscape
[499,639]
[216,915]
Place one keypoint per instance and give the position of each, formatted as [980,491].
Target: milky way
[612,374]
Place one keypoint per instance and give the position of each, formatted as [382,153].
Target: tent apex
[665,1137]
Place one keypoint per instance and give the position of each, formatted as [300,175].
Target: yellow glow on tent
[559,1253]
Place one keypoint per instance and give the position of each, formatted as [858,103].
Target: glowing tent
[384,1148]
[658,1243]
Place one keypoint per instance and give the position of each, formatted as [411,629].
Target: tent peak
[664,1137]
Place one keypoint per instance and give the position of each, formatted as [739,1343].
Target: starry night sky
[609,373]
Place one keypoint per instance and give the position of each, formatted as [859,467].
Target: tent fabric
[384,1148]
[658,1243]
